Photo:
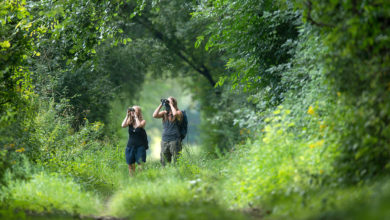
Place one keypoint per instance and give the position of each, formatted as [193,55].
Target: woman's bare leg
[131,169]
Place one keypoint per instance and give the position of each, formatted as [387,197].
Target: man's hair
[174,103]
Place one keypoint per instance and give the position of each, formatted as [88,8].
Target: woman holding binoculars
[138,141]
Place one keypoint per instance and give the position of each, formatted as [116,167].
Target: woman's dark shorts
[135,154]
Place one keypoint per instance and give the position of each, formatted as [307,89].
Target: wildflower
[317,144]
[310,111]
[97,125]
[20,150]
[322,125]
[320,143]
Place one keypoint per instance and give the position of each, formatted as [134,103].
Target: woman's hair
[137,108]
[174,102]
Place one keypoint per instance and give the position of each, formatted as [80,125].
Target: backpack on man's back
[183,125]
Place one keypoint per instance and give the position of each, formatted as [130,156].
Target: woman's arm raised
[127,121]
[138,122]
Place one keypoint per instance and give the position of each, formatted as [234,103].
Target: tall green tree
[257,40]
[42,41]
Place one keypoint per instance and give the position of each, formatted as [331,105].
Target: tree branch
[174,46]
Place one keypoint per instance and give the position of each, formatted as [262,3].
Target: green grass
[51,193]
[280,175]
[200,187]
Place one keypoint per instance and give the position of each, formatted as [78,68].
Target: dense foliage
[261,40]
[293,98]
[357,64]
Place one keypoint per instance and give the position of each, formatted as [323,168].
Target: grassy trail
[181,191]
[189,189]
[198,186]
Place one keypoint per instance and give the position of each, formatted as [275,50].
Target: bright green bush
[51,193]
[84,155]
[281,162]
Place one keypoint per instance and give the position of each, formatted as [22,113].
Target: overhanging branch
[173,45]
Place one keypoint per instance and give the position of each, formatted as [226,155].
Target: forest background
[288,103]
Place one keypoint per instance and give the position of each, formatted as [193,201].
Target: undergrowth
[285,171]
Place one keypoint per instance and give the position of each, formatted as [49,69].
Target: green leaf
[199,41]
[5,44]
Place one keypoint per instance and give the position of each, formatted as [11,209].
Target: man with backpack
[174,129]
